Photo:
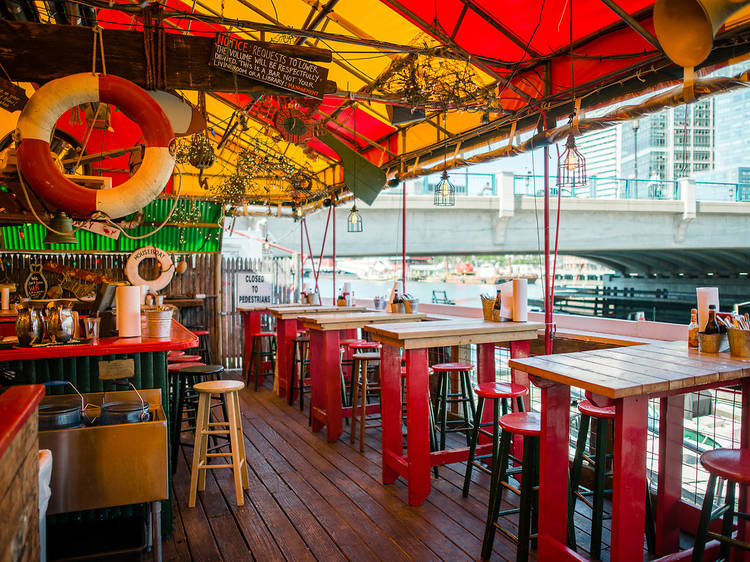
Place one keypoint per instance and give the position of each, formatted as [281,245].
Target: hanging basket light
[445,193]
[200,152]
[571,166]
[354,220]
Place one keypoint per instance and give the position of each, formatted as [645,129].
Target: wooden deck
[311,500]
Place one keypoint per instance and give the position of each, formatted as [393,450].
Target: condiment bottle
[693,329]
[712,326]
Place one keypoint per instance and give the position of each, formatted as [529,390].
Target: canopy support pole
[403,237]
[333,212]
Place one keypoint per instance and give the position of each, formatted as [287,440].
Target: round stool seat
[523,423]
[452,367]
[175,353]
[218,387]
[730,464]
[301,333]
[588,409]
[266,335]
[185,358]
[365,345]
[177,367]
[203,370]
[500,390]
[351,341]
[200,332]
[369,356]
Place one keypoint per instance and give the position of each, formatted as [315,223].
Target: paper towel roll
[520,300]
[128,311]
[5,298]
[706,297]
[506,300]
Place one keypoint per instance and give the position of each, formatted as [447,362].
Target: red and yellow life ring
[38,119]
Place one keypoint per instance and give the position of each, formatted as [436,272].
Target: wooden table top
[291,312]
[351,320]
[636,370]
[417,335]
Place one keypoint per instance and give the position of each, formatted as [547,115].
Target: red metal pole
[333,211]
[403,237]
[547,284]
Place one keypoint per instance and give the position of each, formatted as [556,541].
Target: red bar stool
[528,425]
[445,397]
[499,393]
[175,353]
[185,358]
[362,385]
[264,347]
[605,419]
[733,466]
[203,348]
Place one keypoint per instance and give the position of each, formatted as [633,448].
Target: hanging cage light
[354,220]
[571,165]
[445,192]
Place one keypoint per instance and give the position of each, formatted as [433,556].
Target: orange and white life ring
[38,119]
[135,259]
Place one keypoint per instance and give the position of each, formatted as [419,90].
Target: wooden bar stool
[445,397]
[182,401]
[232,427]
[605,419]
[528,425]
[264,347]
[361,386]
[204,349]
[499,393]
[733,466]
[345,367]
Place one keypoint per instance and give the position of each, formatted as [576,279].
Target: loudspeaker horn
[686,28]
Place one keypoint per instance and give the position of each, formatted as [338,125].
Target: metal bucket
[710,343]
[739,342]
[159,321]
[411,306]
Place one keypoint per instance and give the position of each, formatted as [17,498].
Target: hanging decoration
[35,285]
[292,122]
[233,190]
[200,152]
[354,220]
[445,192]
[165,265]
[571,165]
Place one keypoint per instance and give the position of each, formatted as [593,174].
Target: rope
[33,211]
[98,35]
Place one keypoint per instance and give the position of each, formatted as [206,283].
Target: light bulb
[353,218]
[571,161]
[445,189]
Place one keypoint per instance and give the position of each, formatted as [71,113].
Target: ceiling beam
[498,25]
[632,23]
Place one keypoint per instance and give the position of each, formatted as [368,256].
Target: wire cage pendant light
[445,192]
[354,220]
[571,165]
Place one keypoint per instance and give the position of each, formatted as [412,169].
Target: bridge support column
[506,205]
[689,208]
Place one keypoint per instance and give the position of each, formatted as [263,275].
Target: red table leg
[332,382]
[553,470]
[286,331]
[390,396]
[250,327]
[629,481]
[486,373]
[418,422]
[669,490]
[519,349]
[744,504]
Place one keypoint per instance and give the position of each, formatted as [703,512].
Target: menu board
[255,60]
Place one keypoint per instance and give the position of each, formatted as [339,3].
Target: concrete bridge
[650,236]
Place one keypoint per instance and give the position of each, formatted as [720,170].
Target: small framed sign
[12,97]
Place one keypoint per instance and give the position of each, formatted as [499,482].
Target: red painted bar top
[180,338]
[16,405]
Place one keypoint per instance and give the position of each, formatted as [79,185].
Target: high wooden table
[415,339]
[627,378]
[286,331]
[325,384]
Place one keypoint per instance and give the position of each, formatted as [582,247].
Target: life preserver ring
[38,119]
[134,260]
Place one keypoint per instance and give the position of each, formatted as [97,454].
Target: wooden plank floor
[311,500]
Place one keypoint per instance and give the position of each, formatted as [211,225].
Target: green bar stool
[528,425]
[499,393]
[733,466]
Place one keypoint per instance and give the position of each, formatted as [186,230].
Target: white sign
[98,228]
[252,288]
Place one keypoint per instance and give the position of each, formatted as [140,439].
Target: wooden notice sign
[257,61]
[12,97]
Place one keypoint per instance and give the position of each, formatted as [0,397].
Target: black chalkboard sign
[256,61]
[12,97]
